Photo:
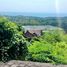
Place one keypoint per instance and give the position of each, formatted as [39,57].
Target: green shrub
[53,36]
[59,52]
[12,42]
[40,51]
[45,52]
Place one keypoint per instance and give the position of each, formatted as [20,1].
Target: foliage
[45,52]
[40,51]
[12,42]
[59,52]
[53,21]
[50,47]
[53,36]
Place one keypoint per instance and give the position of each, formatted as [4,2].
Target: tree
[12,42]
[53,36]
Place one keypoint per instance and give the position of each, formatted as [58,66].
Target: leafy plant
[50,47]
[12,42]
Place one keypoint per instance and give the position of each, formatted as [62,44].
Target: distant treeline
[26,20]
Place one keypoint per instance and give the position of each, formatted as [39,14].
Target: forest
[26,20]
[50,47]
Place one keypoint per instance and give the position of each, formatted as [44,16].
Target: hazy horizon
[33,14]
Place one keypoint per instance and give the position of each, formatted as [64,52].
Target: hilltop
[29,20]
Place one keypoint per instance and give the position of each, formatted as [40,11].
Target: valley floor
[15,63]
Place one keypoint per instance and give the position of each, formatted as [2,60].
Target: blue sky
[37,6]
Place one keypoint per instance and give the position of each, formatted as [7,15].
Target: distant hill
[26,20]
[29,20]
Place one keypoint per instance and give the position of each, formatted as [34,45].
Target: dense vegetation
[50,47]
[12,42]
[54,21]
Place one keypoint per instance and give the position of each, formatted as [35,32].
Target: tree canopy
[12,42]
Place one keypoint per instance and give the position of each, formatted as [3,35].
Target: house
[32,31]
[29,34]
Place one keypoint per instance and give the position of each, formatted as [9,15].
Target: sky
[34,6]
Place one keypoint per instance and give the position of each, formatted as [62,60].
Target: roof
[42,27]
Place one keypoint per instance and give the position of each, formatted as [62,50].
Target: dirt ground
[15,63]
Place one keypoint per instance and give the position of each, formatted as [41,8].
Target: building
[32,31]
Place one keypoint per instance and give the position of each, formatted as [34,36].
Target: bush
[53,36]
[40,51]
[12,42]
[44,52]
[59,52]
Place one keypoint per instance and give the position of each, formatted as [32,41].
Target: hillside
[29,20]
[46,48]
